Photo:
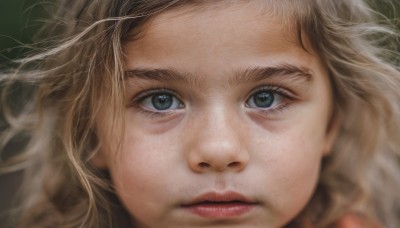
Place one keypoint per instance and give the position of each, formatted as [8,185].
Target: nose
[217,145]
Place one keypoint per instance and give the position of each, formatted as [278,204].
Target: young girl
[177,113]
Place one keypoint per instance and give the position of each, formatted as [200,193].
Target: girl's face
[226,121]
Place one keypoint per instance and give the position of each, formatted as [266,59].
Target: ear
[331,134]
[99,160]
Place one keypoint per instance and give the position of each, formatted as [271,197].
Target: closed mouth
[220,205]
[220,202]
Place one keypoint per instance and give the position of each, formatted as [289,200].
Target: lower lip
[228,210]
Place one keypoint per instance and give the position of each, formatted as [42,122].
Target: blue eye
[264,99]
[161,101]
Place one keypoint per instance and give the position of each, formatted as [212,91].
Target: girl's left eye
[161,101]
[265,99]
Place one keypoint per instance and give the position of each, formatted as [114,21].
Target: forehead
[233,19]
[288,12]
[247,28]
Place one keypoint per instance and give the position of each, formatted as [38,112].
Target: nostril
[204,165]
[234,165]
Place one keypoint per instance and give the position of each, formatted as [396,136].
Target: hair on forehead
[292,14]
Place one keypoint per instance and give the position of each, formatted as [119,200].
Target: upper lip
[216,197]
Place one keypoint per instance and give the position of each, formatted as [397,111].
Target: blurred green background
[19,21]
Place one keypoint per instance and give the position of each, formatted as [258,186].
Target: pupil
[263,99]
[162,101]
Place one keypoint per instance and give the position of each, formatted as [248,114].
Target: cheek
[291,162]
[139,176]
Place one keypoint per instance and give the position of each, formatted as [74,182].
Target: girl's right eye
[159,101]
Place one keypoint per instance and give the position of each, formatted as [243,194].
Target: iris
[263,99]
[162,101]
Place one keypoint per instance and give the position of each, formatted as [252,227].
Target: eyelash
[138,100]
[286,95]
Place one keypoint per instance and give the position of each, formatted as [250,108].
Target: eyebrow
[163,75]
[242,76]
[285,71]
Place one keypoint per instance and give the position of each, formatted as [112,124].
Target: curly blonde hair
[84,69]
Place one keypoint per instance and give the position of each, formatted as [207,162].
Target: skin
[216,140]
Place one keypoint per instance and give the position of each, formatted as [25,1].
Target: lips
[220,205]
